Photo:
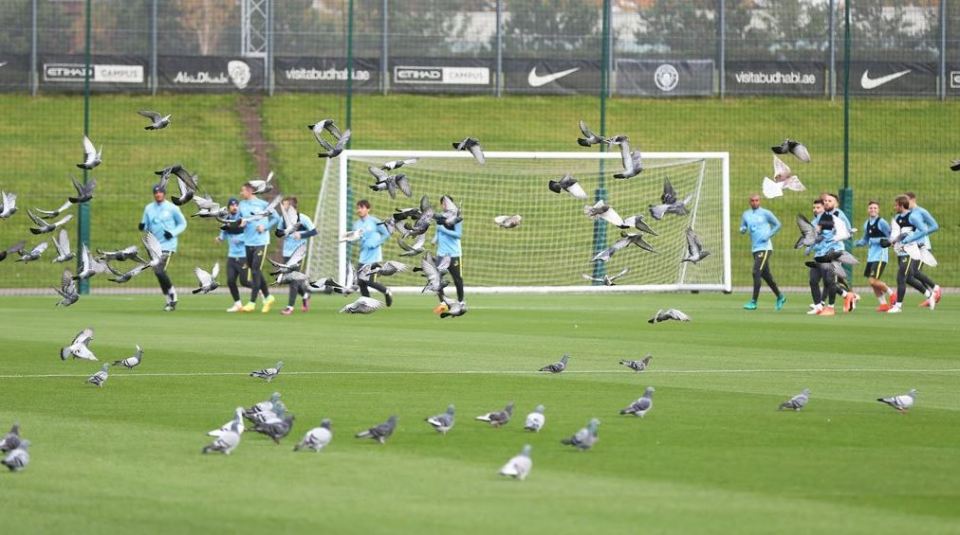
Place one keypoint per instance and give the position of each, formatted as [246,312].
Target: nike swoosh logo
[870,83]
[535,80]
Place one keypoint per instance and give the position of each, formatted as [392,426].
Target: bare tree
[207,19]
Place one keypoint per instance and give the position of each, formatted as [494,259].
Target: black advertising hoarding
[14,72]
[115,73]
[441,75]
[953,80]
[325,74]
[667,78]
[210,73]
[889,79]
[789,78]
[552,77]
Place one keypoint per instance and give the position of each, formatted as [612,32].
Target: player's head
[818,206]
[246,190]
[902,203]
[829,201]
[159,193]
[233,205]
[290,201]
[363,208]
[873,209]
[913,199]
[754,201]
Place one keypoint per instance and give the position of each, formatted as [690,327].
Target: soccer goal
[554,245]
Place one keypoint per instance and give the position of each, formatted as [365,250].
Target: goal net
[554,245]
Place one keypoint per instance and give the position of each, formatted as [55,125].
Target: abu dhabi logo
[538,80]
[239,73]
[872,83]
[666,77]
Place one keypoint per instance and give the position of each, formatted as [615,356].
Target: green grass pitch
[713,456]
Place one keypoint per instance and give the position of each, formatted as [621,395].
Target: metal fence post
[384,47]
[349,99]
[268,60]
[943,49]
[832,46]
[722,46]
[83,211]
[599,226]
[154,83]
[34,78]
[498,88]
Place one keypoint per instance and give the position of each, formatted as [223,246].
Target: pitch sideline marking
[501,372]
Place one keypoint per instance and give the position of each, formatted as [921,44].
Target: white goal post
[553,247]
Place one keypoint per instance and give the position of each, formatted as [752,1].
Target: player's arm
[143,219]
[864,239]
[930,221]
[921,230]
[743,223]
[308,228]
[774,224]
[180,223]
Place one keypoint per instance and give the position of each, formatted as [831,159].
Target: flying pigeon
[84,190]
[783,178]
[558,366]
[414,249]
[276,429]
[797,402]
[91,156]
[270,208]
[18,458]
[152,246]
[363,305]
[508,221]
[11,440]
[695,250]
[442,422]
[132,361]
[67,290]
[638,222]
[261,186]
[352,235]
[535,420]
[42,227]
[157,121]
[33,254]
[186,182]
[207,281]
[808,234]
[424,216]
[668,314]
[472,145]
[334,150]
[670,204]
[625,241]
[8,204]
[432,268]
[121,278]
[268,373]
[569,184]
[642,405]
[796,148]
[397,164]
[15,248]
[519,466]
[498,418]
[225,443]
[955,165]
[100,377]
[120,255]
[380,432]
[62,243]
[903,402]
[272,404]
[292,262]
[602,210]
[390,183]
[454,308]
[451,213]
[606,280]
[637,365]
[324,124]
[386,269]
[585,438]
[317,438]
[632,162]
[235,424]
[589,138]
[206,207]
[89,266]
[47,214]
